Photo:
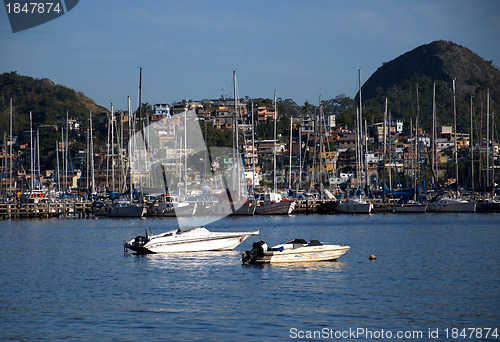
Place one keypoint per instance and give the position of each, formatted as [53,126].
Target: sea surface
[435,277]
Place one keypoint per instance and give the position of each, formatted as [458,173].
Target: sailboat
[445,202]
[412,205]
[272,203]
[357,205]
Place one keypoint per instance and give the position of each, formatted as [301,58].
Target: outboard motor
[140,241]
[257,251]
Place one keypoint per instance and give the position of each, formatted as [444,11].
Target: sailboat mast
[10,141]
[38,156]
[433,148]
[274,150]
[58,171]
[31,152]
[112,147]
[253,152]
[236,128]
[290,159]
[129,146]
[92,155]
[471,146]
[488,138]
[455,131]
[66,145]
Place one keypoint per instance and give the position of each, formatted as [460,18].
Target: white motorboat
[186,239]
[274,204]
[297,250]
[355,206]
[452,205]
[408,207]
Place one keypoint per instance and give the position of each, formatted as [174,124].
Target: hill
[47,101]
[439,62]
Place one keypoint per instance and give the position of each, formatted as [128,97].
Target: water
[69,280]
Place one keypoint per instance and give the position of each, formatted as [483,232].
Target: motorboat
[355,206]
[408,207]
[186,239]
[297,250]
[273,204]
[451,205]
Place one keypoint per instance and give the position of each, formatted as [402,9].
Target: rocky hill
[440,62]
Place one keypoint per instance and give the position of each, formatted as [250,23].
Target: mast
[471,145]
[236,128]
[290,159]
[10,140]
[112,147]
[488,138]
[32,175]
[320,173]
[129,146]
[274,150]
[38,156]
[253,152]
[433,148]
[416,148]
[66,145]
[87,160]
[185,156]
[58,171]
[63,160]
[455,130]
[384,149]
[140,94]
[91,154]
[300,157]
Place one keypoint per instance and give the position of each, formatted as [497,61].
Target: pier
[16,210]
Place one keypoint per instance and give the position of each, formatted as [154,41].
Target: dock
[69,208]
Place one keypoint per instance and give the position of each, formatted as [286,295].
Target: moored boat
[186,239]
[125,209]
[355,206]
[488,206]
[274,204]
[451,205]
[408,207]
[297,250]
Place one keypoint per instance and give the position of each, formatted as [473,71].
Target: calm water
[68,279]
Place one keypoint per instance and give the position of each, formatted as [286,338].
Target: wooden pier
[16,210]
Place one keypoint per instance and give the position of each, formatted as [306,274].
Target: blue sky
[188,49]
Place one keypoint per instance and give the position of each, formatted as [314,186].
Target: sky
[188,49]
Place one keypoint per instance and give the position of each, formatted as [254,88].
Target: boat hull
[355,208]
[452,207]
[409,208]
[195,240]
[129,211]
[279,208]
[304,254]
